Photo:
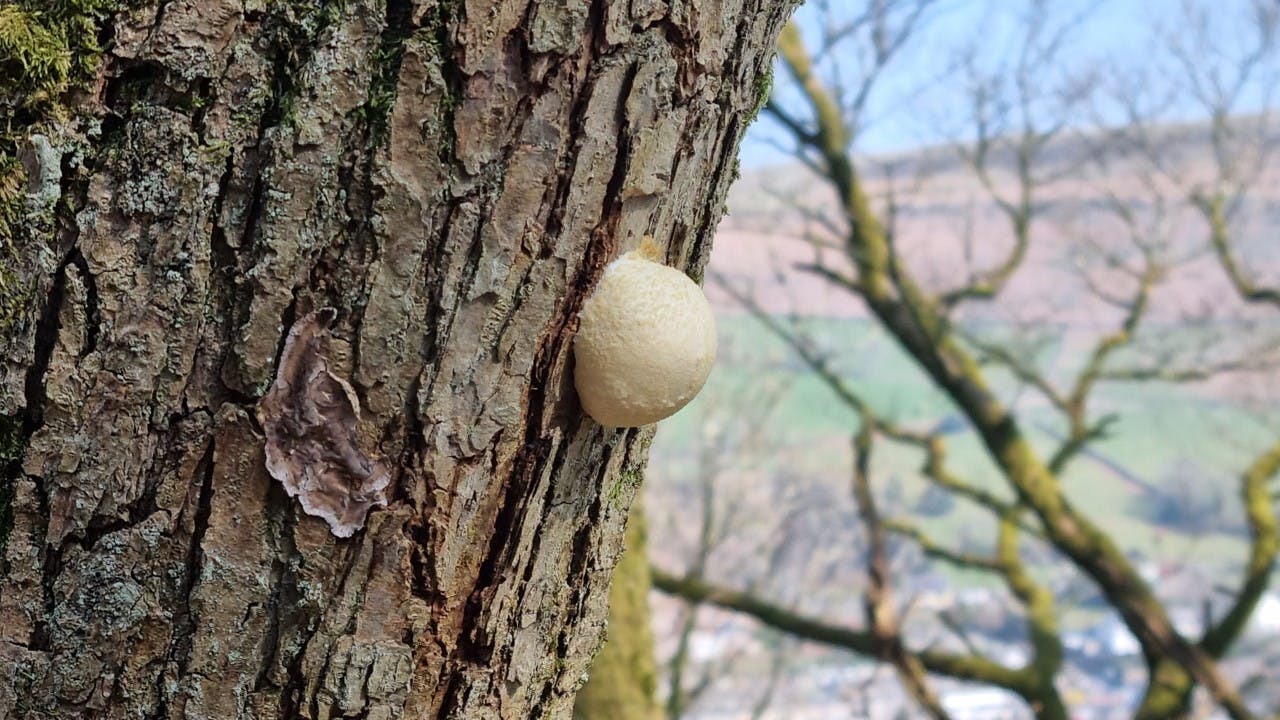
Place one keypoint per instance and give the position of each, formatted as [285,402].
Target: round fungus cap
[645,344]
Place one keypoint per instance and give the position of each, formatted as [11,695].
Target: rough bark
[450,178]
[624,675]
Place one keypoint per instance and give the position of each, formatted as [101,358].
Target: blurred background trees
[998,424]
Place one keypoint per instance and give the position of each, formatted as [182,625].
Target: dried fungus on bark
[311,417]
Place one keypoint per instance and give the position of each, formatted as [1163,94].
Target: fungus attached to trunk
[311,418]
[645,344]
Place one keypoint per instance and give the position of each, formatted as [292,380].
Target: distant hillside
[948,222]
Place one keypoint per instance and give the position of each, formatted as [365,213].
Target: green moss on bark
[47,47]
[35,59]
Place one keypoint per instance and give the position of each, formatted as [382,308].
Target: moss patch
[35,59]
[764,90]
[47,47]
[629,479]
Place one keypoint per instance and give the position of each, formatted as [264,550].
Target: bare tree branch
[934,549]
[961,667]
[878,600]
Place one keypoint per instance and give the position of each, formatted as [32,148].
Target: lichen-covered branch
[1042,620]
[1264,546]
[1214,209]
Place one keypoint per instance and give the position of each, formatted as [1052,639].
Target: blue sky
[916,99]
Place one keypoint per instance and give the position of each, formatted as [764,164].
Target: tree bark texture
[450,178]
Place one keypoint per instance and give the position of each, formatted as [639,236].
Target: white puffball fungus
[645,344]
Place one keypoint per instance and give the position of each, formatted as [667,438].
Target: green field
[1160,429]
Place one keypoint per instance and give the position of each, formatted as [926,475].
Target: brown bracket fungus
[646,341]
[311,418]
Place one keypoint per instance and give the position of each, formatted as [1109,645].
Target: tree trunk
[451,178]
[624,675]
